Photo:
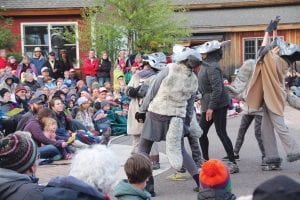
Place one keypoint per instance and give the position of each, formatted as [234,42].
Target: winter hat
[18,152]
[3,91]
[20,88]
[104,103]
[214,174]
[102,89]
[278,188]
[82,100]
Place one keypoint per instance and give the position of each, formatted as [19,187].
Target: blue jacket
[125,191]
[69,187]
[39,63]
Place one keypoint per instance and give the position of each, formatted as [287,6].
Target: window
[251,47]
[51,37]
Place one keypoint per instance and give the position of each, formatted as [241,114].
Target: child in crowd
[83,115]
[68,81]
[50,126]
[118,72]
[102,123]
[138,170]
[215,181]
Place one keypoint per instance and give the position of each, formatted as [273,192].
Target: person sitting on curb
[92,174]
[215,182]
[18,154]
[138,170]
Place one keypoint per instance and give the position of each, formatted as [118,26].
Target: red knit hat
[20,88]
[214,174]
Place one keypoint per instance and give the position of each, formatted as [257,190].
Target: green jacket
[125,191]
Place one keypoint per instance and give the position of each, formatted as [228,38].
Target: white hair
[96,166]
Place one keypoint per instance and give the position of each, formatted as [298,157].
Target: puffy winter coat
[16,186]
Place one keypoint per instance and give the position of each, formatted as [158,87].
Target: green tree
[7,38]
[138,25]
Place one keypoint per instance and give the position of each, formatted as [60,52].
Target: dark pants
[188,163]
[219,119]
[245,123]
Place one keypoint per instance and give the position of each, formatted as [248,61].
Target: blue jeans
[296,90]
[102,80]
[89,80]
[50,152]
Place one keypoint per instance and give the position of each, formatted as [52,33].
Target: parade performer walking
[267,90]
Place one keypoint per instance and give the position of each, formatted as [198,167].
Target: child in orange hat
[215,182]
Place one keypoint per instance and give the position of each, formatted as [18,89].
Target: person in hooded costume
[267,90]
[136,90]
[215,99]
[166,103]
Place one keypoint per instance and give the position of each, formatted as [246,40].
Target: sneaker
[236,157]
[271,167]
[177,176]
[233,168]
[196,189]
[182,170]
[155,166]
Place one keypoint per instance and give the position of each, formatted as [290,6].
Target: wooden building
[241,21]
[39,23]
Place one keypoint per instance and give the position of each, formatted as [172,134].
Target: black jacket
[34,85]
[104,69]
[210,79]
[215,194]
[57,74]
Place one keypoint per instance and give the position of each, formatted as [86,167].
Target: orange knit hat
[214,174]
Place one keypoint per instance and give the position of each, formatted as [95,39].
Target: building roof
[189,2]
[32,4]
[206,19]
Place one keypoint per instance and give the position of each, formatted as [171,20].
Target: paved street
[243,183]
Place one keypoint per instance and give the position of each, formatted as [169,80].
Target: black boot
[150,186]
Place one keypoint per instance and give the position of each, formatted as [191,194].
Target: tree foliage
[137,25]
[7,39]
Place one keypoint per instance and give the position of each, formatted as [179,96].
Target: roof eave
[41,12]
[245,28]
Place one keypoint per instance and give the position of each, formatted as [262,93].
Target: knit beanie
[18,152]
[214,174]
[20,88]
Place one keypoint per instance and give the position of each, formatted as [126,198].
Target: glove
[140,117]
[273,25]
[133,92]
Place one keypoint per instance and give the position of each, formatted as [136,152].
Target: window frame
[48,25]
[256,44]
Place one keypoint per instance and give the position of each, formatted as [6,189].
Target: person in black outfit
[55,70]
[104,69]
[65,62]
[214,100]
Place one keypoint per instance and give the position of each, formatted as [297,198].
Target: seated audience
[138,170]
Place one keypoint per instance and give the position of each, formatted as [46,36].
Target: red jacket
[89,67]
[3,63]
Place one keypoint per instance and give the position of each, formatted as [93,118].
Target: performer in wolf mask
[267,91]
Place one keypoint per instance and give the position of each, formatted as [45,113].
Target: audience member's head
[5,95]
[214,174]
[18,152]
[21,92]
[278,188]
[96,166]
[138,169]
